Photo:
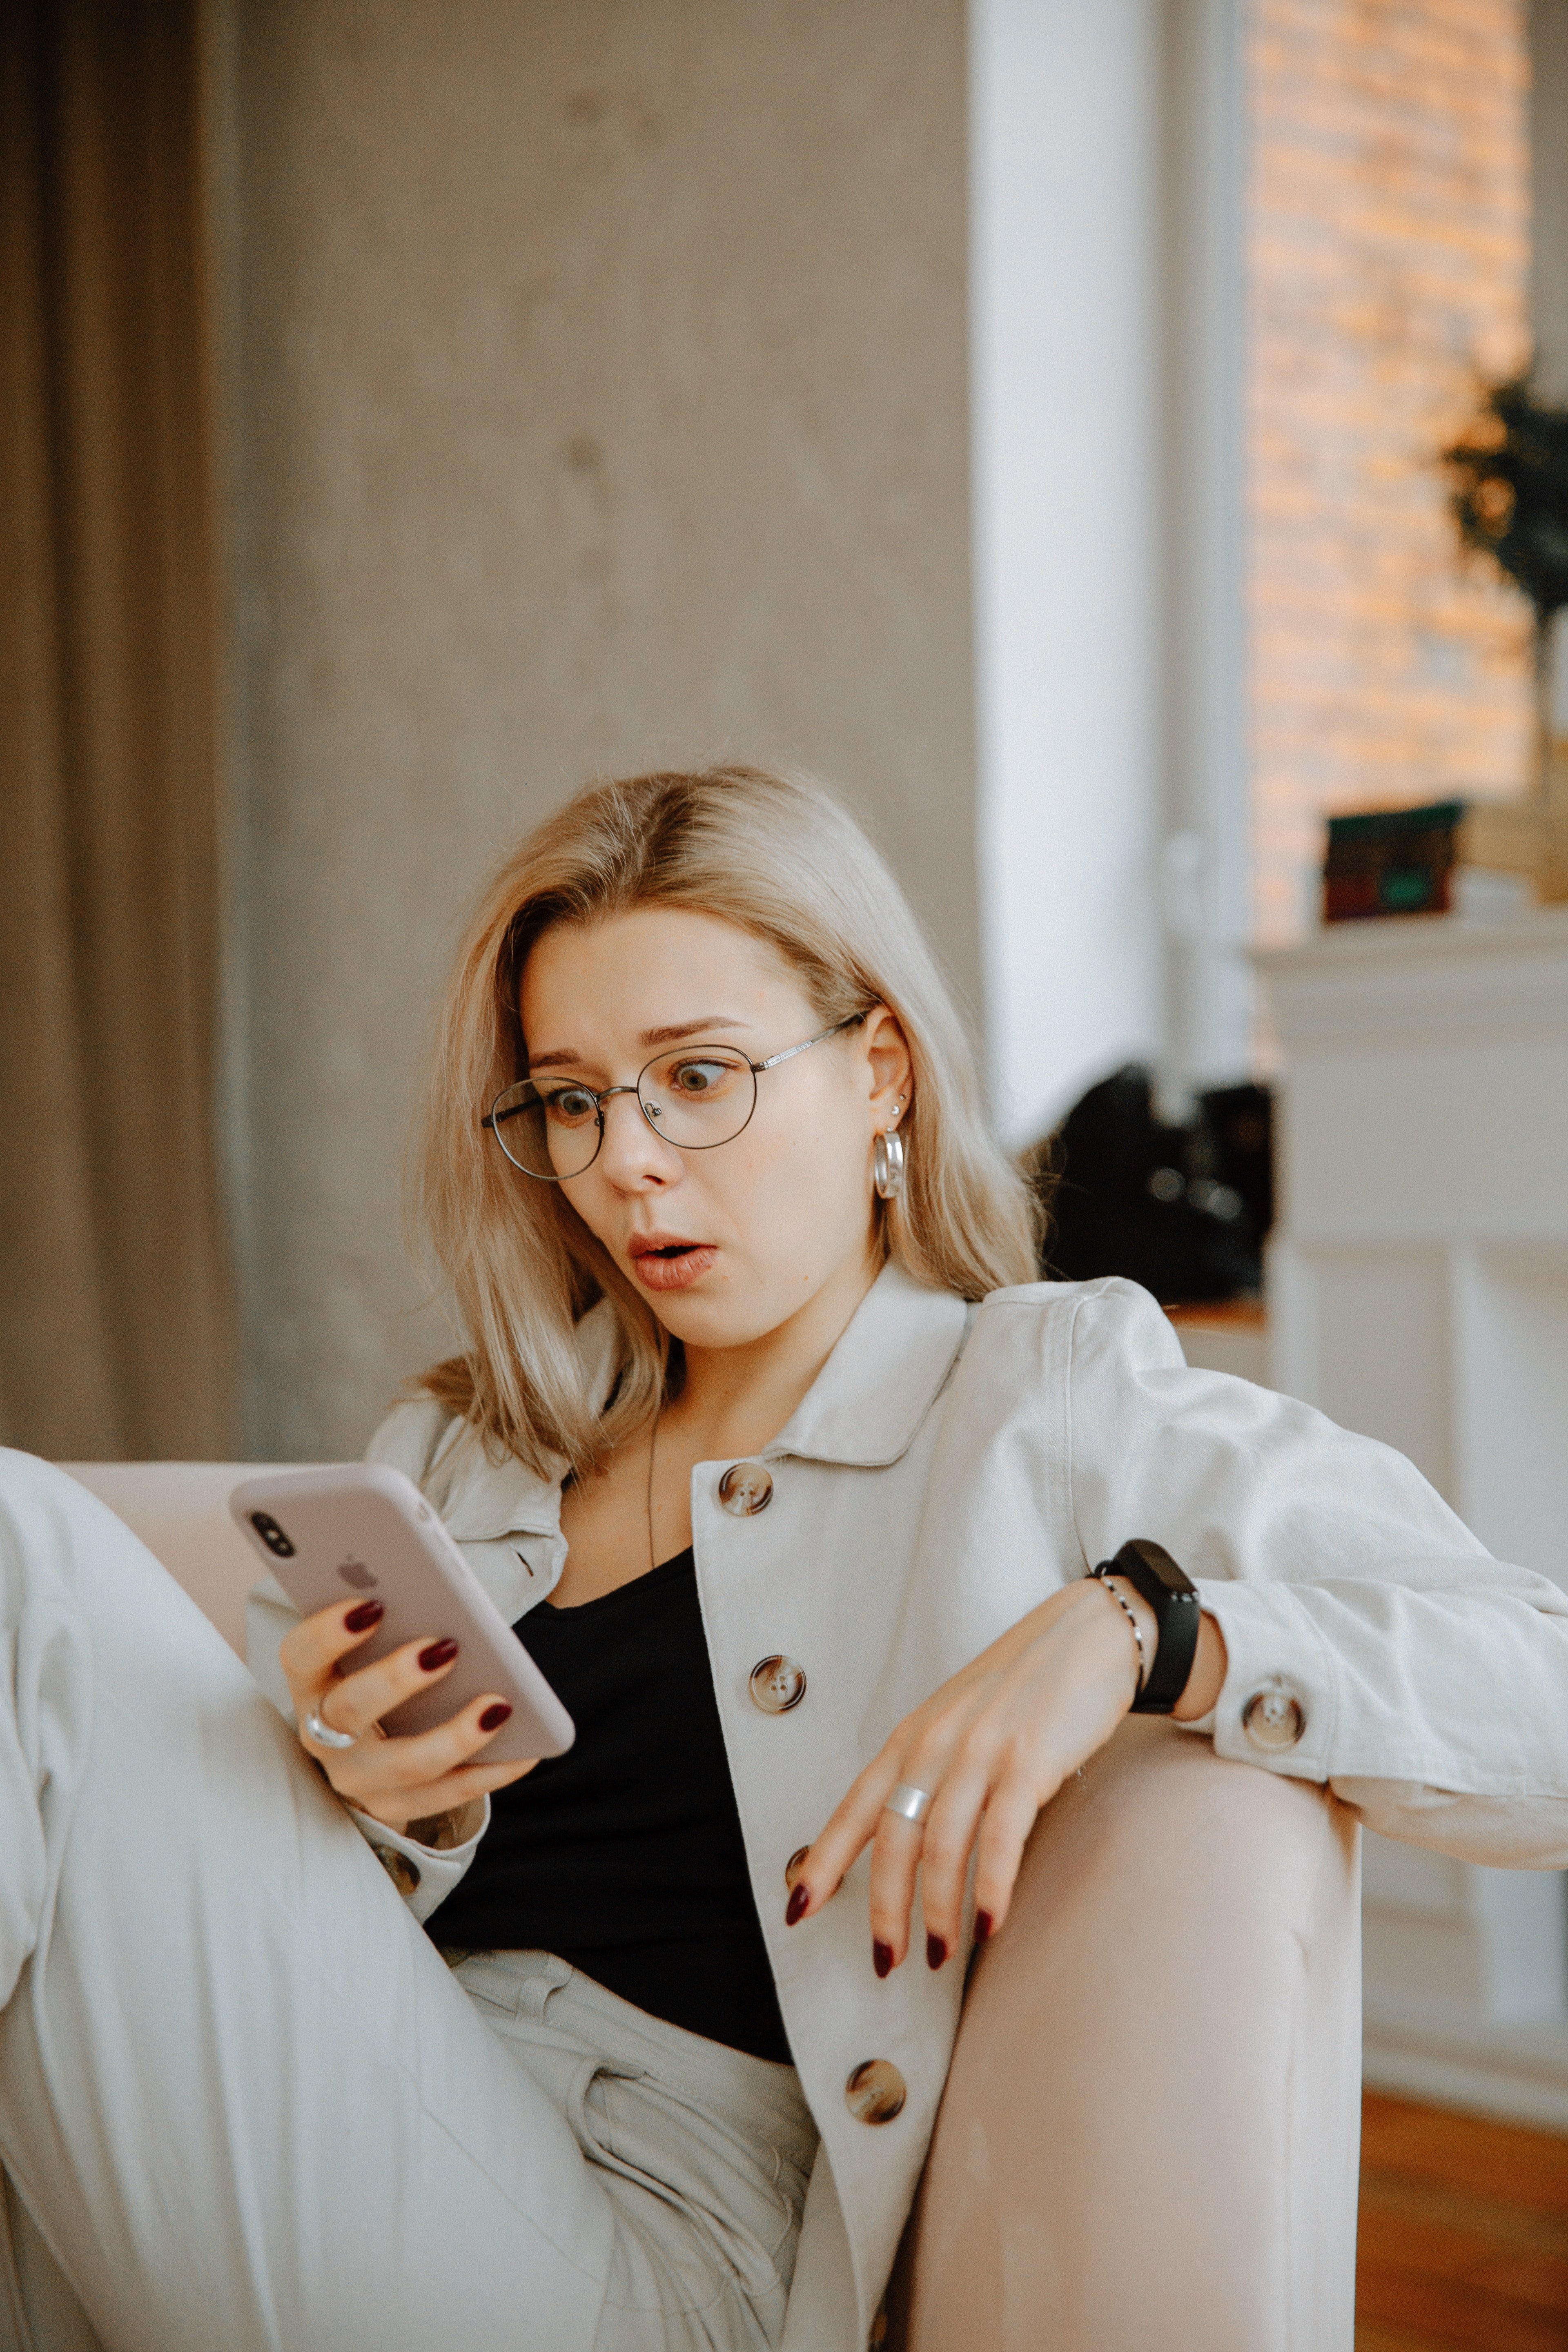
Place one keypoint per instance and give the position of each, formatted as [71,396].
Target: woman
[795,1483]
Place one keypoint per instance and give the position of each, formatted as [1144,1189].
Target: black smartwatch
[1173,1596]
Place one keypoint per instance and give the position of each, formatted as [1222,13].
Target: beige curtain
[116,1323]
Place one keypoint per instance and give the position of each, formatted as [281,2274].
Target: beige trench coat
[950,1468]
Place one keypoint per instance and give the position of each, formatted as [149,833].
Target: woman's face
[726,1243]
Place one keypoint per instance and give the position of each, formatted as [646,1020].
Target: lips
[669,1261]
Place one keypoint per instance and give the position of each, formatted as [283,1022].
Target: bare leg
[1150,2132]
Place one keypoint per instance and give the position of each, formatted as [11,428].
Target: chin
[719,1322]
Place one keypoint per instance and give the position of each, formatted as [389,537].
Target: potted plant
[1510,475]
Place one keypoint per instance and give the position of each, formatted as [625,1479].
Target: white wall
[1106,329]
[1065,170]
[1206,860]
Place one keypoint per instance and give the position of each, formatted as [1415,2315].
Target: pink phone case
[362,1528]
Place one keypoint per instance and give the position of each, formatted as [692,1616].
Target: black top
[625,1855]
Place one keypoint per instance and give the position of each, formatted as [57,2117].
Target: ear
[890,1067]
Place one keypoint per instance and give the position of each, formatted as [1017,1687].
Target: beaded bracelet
[1100,1578]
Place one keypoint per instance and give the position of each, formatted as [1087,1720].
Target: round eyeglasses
[695,1097]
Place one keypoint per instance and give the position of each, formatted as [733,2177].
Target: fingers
[986,1790]
[310,1651]
[937,1852]
[898,1847]
[424,1755]
[449,1794]
[852,1827]
[393,1780]
[1010,1764]
[1005,1832]
[895,1858]
[920,1755]
[379,1770]
[991,1748]
[357,1702]
[943,1847]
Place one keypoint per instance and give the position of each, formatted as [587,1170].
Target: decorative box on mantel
[1418,1291]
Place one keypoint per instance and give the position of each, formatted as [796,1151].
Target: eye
[700,1077]
[571,1104]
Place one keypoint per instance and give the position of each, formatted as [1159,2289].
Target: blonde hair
[781,860]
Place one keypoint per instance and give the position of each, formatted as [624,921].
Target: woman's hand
[991,1747]
[395,1781]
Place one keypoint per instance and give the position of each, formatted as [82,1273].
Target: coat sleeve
[1431,1680]
[408,1439]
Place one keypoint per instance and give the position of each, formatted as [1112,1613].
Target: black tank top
[625,1855]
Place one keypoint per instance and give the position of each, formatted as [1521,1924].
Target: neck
[736,1400]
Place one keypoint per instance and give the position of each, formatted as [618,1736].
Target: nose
[633,1153]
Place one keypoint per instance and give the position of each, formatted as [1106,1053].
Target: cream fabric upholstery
[180,1510]
[1150,2131]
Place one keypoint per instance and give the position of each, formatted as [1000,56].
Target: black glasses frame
[599,1097]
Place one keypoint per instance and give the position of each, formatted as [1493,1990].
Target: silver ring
[911,1804]
[324,1736]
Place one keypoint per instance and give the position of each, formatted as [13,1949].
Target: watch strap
[1178,1613]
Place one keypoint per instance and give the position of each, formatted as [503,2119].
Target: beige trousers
[245,2107]
[244,2104]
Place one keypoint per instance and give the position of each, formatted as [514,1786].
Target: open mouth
[666,1263]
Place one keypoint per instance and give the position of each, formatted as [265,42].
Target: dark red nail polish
[364,1615]
[936,1951]
[794,1909]
[981,1926]
[494,1716]
[881,1958]
[439,1653]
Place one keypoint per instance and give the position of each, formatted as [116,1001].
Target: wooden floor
[1464,2234]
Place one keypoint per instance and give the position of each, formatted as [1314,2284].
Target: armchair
[1150,2132]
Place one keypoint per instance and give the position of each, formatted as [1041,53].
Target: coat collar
[882,1379]
[863,1409]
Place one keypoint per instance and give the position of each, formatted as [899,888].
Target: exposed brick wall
[1388,231]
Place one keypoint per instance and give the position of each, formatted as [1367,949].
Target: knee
[44,1517]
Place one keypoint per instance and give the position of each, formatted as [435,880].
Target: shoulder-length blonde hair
[780,859]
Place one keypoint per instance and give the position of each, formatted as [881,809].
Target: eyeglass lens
[693,1099]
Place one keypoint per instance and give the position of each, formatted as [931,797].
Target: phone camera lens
[272,1534]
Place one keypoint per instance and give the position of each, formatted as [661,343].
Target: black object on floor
[1183,1210]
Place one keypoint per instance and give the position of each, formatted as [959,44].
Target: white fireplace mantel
[1418,1291]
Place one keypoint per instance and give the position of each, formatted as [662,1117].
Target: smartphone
[359,1527]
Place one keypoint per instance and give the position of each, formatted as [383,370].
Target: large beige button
[403,1874]
[777,1684]
[746,1488]
[876,2091]
[1273,1720]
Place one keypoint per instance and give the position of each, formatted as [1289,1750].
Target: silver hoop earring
[888,1165]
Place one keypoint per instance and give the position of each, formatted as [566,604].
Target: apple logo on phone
[355,1572]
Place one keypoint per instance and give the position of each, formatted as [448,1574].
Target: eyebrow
[650,1038]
